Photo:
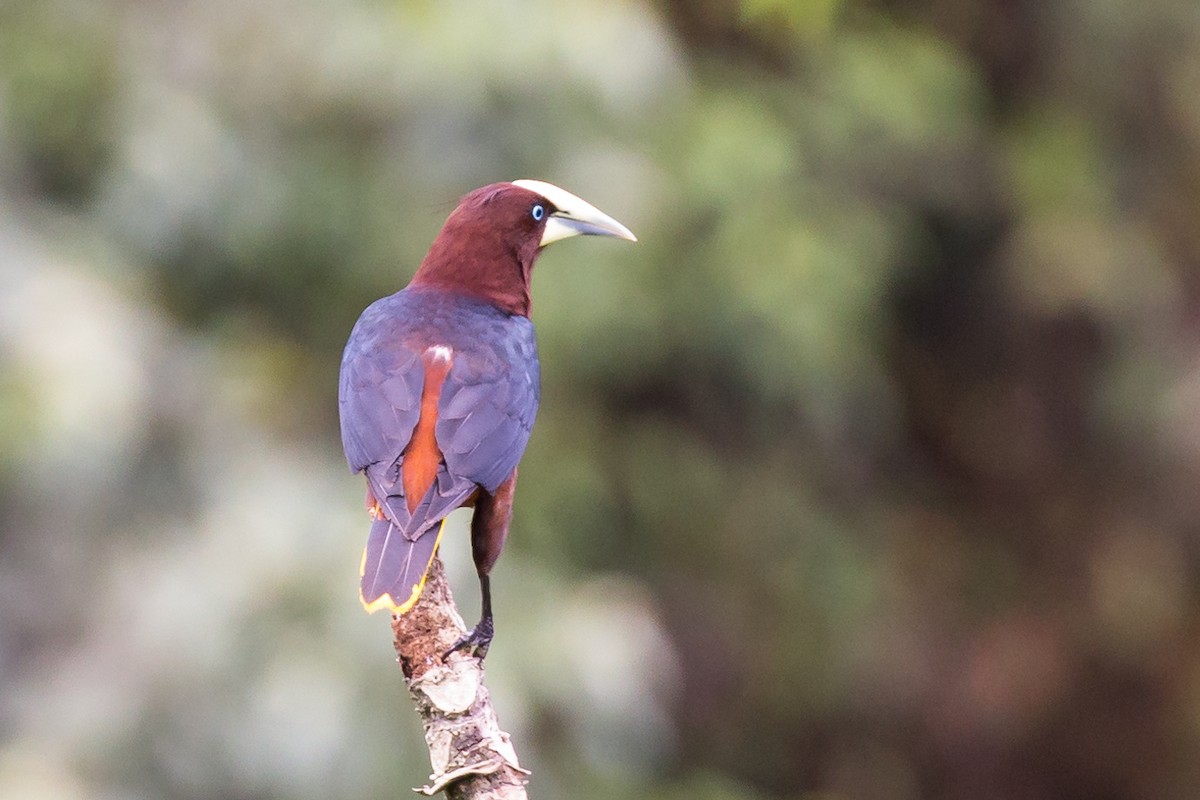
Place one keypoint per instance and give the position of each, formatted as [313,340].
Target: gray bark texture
[472,758]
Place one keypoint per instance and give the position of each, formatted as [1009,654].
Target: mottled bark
[472,758]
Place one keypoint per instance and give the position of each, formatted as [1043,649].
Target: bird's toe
[476,640]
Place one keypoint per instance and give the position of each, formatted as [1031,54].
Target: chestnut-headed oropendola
[439,388]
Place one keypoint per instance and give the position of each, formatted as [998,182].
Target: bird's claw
[476,641]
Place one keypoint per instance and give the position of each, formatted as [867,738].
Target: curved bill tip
[575,216]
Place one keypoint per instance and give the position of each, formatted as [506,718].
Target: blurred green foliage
[869,472]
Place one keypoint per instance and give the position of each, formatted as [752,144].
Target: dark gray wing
[489,402]
[379,393]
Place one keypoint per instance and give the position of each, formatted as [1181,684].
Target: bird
[439,387]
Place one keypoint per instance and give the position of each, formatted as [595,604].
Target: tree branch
[472,758]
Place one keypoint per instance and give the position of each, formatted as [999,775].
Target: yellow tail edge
[385,600]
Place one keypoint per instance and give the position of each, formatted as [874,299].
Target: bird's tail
[394,567]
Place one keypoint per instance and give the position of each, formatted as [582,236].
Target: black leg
[489,529]
[479,637]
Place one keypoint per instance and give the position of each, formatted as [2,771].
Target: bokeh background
[869,473]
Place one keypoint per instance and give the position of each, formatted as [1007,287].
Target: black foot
[476,641]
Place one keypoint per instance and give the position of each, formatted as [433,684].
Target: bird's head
[489,242]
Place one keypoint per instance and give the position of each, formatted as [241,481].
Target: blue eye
[538,212]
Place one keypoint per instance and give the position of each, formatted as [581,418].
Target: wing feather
[485,411]
[488,406]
